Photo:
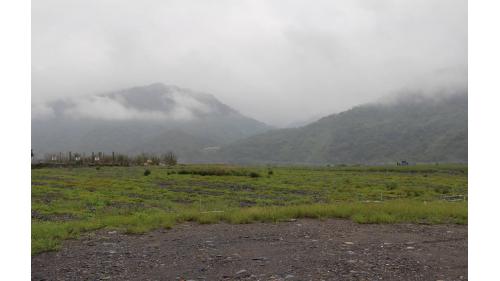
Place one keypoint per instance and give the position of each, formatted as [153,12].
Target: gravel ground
[295,250]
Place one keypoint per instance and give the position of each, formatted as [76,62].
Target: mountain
[413,128]
[153,119]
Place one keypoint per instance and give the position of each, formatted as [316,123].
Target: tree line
[104,159]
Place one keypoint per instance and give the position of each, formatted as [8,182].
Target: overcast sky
[276,61]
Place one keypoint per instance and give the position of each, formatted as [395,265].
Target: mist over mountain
[415,128]
[199,128]
[154,119]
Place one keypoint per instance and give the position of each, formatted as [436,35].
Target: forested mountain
[153,119]
[413,128]
[159,118]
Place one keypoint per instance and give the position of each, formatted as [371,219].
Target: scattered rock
[242,273]
[184,252]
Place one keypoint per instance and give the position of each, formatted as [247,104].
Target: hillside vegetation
[412,128]
[152,119]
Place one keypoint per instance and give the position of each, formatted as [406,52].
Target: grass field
[69,201]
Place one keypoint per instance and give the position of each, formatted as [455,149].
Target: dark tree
[169,159]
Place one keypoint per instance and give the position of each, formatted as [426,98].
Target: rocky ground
[295,250]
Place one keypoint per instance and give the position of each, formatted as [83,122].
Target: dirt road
[295,250]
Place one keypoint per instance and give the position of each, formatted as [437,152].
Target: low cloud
[181,107]
[276,61]
[41,111]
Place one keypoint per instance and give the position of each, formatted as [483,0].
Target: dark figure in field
[403,163]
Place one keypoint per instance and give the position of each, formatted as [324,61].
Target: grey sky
[276,61]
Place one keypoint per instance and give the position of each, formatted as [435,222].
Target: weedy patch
[67,202]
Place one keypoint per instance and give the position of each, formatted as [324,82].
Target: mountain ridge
[414,128]
[129,120]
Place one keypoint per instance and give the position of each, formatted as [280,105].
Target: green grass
[68,202]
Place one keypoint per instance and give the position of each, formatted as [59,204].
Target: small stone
[242,272]
[349,243]
[289,276]
[410,248]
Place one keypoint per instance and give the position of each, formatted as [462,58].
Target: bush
[270,172]
[391,185]
[147,172]
[254,175]
[98,168]
[213,172]
[170,159]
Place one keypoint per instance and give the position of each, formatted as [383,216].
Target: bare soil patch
[295,250]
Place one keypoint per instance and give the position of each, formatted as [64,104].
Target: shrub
[213,172]
[254,175]
[169,159]
[391,185]
[147,172]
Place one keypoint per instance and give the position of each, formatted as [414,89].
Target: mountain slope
[153,118]
[413,128]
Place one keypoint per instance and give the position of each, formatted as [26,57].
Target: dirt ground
[295,250]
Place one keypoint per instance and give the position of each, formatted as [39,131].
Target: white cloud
[183,107]
[41,111]
[273,60]
[98,107]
